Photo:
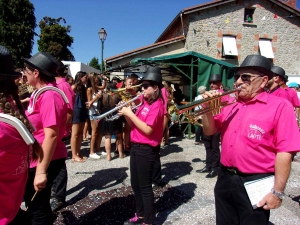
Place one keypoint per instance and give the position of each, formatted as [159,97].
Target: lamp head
[102,34]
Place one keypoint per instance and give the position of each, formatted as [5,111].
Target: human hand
[210,94]
[270,201]
[40,181]
[88,105]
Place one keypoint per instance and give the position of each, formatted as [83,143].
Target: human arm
[25,100]
[48,148]
[131,118]
[69,116]
[282,171]
[90,98]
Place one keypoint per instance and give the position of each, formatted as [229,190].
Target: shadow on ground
[175,170]
[99,180]
[116,206]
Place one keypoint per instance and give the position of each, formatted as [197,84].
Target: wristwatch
[278,194]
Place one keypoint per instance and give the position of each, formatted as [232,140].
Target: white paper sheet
[257,189]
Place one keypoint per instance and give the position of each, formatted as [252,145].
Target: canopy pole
[191,94]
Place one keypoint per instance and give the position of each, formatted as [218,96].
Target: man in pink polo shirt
[259,134]
[273,84]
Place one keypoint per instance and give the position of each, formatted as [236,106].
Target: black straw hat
[153,73]
[258,63]
[278,71]
[215,77]
[43,62]
[6,65]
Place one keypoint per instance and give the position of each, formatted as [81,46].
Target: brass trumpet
[124,93]
[213,105]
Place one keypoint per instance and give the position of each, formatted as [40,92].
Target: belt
[233,171]
[138,144]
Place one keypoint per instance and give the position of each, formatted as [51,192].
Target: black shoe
[56,205]
[212,174]
[204,170]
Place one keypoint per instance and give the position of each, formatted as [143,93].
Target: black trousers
[233,206]
[142,160]
[60,184]
[199,134]
[157,170]
[212,148]
[39,209]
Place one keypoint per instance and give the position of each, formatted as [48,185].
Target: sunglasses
[214,82]
[244,77]
[145,86]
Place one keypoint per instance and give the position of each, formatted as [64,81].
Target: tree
[55,38]
[17,23]
[95,63]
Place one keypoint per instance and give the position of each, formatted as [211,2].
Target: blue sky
[129,24]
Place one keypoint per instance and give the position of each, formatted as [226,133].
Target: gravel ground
[99,191]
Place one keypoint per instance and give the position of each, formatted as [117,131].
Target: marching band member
[47,111]
[60,183]
[259,133]
[145,144]
[273,84]
[212,142]
[13,149]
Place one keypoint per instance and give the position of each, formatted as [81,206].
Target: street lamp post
[102,35]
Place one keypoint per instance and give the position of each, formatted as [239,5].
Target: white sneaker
[94,156]
[103,153]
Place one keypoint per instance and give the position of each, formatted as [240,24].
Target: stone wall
[206,28]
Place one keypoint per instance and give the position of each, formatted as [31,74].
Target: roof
[174,67]
[145,48]
[218,3]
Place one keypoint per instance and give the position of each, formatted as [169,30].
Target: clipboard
[257,189]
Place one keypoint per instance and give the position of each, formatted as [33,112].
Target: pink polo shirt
[13,171]
[293,97]
[279,92]
[50,109]
[153,115]
[63,85]
[253,132]
[165,95]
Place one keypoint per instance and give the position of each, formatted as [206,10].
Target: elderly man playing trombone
[259,134]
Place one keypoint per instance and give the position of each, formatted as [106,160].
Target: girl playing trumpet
[145,144]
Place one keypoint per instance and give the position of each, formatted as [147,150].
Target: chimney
[291,3]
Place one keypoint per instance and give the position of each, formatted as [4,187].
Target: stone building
[229,30]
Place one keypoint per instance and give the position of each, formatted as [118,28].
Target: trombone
[108,115]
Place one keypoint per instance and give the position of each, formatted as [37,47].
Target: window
[248,15]
[229,46]
[265,48]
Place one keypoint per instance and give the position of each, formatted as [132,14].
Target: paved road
[99,191]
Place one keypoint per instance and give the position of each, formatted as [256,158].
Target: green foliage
[17,23]
[95,63]
[55,38]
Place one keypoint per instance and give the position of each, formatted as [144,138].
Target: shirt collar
[262,97]
[61,80]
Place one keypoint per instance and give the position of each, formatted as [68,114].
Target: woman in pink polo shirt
[13,149]
[47,111]
[145,144]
